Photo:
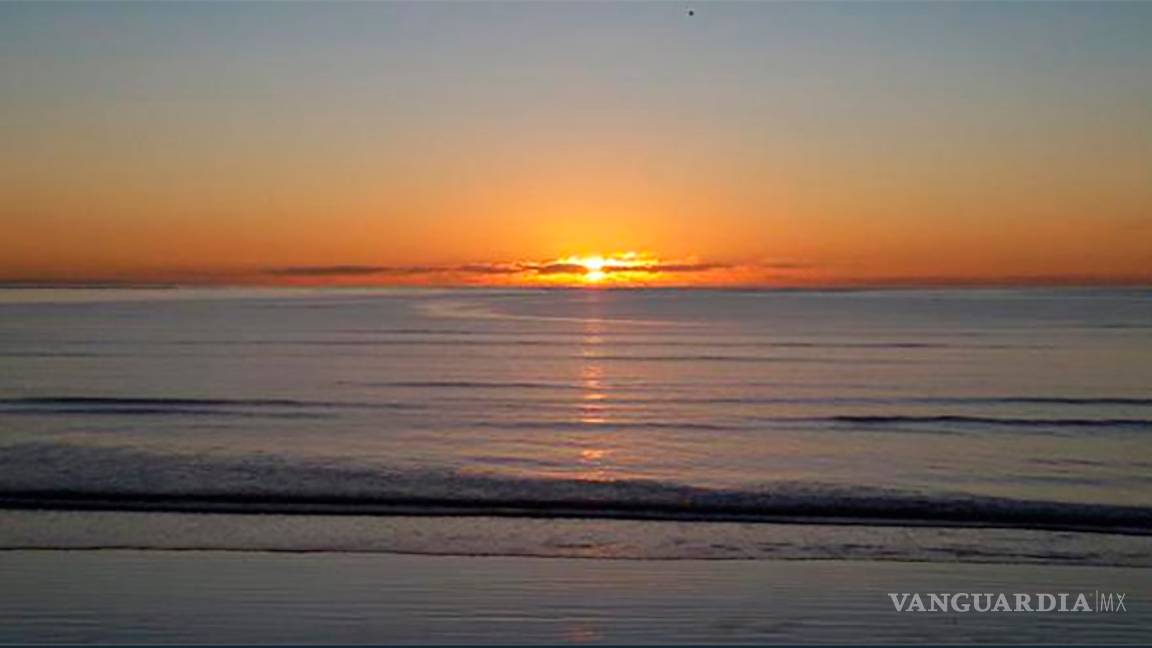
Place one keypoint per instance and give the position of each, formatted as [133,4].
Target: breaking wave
[54,476]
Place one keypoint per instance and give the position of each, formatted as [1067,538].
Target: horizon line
[1070,283]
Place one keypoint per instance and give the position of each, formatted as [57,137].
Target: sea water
[496,421]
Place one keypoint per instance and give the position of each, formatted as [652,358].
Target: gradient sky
[772,143]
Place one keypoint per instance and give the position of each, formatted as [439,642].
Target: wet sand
[70,596]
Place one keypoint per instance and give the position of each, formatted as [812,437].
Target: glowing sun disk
[593,264]
[615,268]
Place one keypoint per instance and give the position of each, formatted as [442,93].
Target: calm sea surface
[1026,412]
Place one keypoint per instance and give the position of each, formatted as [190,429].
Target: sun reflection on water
[593,409]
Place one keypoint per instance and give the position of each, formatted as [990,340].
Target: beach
[261,597]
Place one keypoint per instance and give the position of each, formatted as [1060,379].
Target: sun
[593,268]
[620,269]
[601,269]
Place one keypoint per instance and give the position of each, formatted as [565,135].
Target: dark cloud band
[487,269]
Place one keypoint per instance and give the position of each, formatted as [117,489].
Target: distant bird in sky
[691,12]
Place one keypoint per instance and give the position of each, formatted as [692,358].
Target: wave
[57,476]
[470,310]
[672,391]
[1145,424]
[273,407]
[129,401]
[599,357]
[942,400]
[65,354]
[508,339]
[1063,400]
[293,408]
[754,423]
[467,384]
[643,424]
[691,505]
[706,357]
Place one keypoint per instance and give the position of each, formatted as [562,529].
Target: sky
[813,143]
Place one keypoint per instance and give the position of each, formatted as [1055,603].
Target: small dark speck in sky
[691,12]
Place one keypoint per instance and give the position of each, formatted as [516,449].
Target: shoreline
[206,506]
[675,504]
[478,535]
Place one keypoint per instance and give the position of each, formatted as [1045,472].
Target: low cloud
[338,271]
[489,268]
[688,267]
[484,269]
[651,268]
[495,269]
[373,270]
[785,265]
[558,268]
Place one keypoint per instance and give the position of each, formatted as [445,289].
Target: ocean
[910,425]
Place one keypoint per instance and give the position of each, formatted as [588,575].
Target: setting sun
[624,268]
[593,269]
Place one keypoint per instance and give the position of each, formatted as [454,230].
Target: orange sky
[757,144]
